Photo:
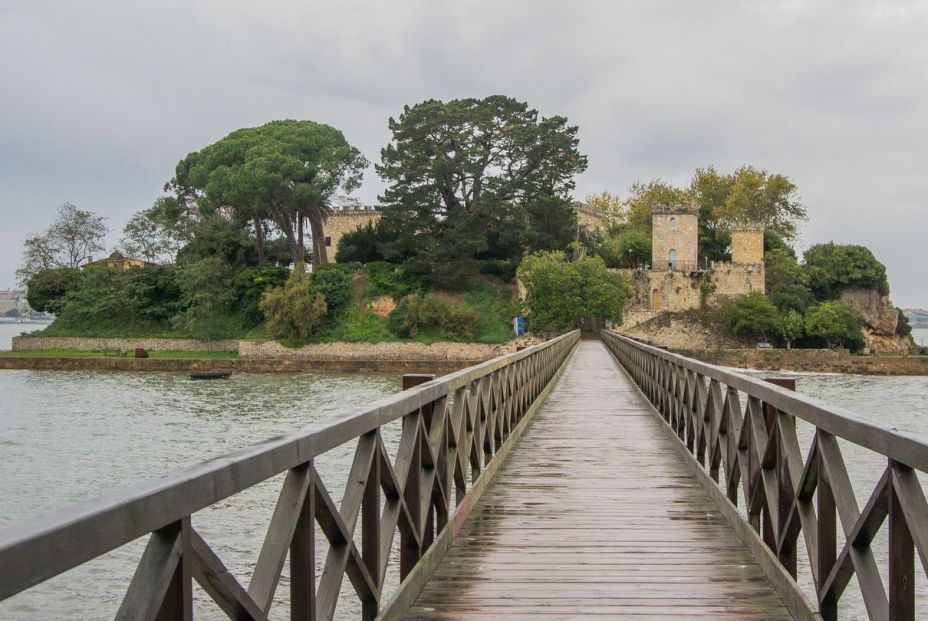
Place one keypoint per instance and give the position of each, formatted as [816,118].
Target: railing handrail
[750,451]
[904,447]
[36,549]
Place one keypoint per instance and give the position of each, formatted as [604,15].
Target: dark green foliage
[835,324]
[786,282]
[206,299]
[249,285]
[362,245]
[475,180]
[831,268]
[283,172]
[561,293]
[151,293]
[396,322]
[333,281]
[46,290]
[790,326]
[625,247]
[435,316]
[217,236]
[388,279]
[773,241]
[752,316]
[903,327]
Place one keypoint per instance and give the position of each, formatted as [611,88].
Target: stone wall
[747,245]
[588,218]
[439,367]
[470,353]
[683,290]
[729,280]
[340,222]
[33,343]
[814,360]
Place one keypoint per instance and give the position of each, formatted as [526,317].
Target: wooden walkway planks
[594,514]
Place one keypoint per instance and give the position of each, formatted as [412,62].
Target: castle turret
[747,244]
[674,237]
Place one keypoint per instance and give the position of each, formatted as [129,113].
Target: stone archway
[656,300]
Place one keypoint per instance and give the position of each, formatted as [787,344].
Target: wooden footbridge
[573,479]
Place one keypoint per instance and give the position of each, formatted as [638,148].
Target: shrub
[436,316]
[361,245]
[387,279]
[627,248]
[837,324]
[249,286]
[752,316]
[333,282]
[46,290]
[292,312]
[560,293]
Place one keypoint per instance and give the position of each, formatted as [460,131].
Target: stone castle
[678,280]
[341,221]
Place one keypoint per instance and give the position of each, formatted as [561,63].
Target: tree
[710,189]
[71,240]
[757,196]
[790,326]
[159,233]
[561,293]
[361,245]
[787,284]
[205,297]
[292,312]
[752,316]
[626,248]
[476,179]
[613,208]
[836,324]
[644,196]
[831,268]
[286,172]
[46,290]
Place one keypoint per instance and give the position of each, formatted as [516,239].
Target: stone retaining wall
[33,343]
[271,350]
[813,360]
[438,367]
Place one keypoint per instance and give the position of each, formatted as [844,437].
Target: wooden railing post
[901,558]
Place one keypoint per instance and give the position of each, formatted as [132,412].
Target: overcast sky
[99,100]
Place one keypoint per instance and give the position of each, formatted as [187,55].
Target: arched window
[673,259]
[673,224]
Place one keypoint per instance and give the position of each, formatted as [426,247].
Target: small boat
[206,375]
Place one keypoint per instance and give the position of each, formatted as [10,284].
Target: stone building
[679,280]
[342,221]
[674,237]
[589,218]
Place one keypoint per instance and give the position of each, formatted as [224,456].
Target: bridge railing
[455,431]
[742,432]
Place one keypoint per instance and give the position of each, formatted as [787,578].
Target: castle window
[673,224]
[328,241]
[673,259]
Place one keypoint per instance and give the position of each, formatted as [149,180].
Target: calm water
[70,436]
[921,336]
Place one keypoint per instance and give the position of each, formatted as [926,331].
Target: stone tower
[674,237]
[747,244]
[342,221]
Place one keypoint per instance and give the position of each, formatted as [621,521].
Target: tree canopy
[476,179]
[70,241]
[832,268]
[283,172]
[559,292]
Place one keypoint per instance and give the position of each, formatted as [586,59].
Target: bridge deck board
[594,514]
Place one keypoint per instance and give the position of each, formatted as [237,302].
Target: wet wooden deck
[595,514]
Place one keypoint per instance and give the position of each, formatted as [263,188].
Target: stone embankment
[36,343]
[262,357]
[807,360]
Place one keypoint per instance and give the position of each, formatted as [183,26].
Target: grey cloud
[101,99]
